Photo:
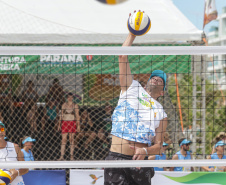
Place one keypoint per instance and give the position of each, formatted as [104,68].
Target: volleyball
[4,177]
[139,23]
[111,2]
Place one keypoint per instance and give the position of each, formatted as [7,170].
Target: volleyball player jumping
[137,119]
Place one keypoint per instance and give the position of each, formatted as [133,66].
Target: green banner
[203,178]
[76,64]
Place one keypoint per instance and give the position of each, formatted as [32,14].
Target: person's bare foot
[72,158]
[60,159]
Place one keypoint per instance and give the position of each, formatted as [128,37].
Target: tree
[215,118]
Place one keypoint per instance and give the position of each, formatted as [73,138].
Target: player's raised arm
[125,76]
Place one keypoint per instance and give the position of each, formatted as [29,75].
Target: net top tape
[117,50]
[113,164]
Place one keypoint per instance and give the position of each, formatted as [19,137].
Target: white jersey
[9,154]
[137,115]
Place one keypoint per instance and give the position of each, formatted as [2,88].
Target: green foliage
[215,110]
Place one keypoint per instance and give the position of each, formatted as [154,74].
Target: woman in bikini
[69,123]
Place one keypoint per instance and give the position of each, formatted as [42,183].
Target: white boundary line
[133,50]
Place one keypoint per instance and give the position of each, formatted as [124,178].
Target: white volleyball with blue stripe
[5,177]
[139,23]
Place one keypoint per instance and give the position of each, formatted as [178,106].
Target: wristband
[146,151]
[18,172]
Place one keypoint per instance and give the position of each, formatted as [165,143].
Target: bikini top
[65,112]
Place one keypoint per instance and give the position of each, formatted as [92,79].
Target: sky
[194,11]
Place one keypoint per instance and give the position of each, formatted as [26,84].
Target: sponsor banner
[192,178]
[85,177]
[71,64]
[45,177]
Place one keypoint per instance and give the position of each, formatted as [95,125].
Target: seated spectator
[56,92]
[162,156]
[87,129]
[30,98]
[183,154]
[219,154]
[27,143]
[69,124]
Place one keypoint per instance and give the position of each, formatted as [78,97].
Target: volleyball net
[37,81]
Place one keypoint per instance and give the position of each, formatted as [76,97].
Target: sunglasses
[187,144]
[2,129]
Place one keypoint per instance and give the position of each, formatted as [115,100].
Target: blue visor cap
[28,139]
[160,74]
[2,124]
[184,142]
[164,144]
[219,143]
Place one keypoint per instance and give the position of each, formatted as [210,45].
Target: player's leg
[116,176]
[140,176]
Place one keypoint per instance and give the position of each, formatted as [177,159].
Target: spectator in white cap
[219,154]
[27,143]
[183,154]
[162,156]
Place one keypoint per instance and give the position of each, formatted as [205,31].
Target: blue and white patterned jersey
[137,115]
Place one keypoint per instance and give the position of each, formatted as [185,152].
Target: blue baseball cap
[28,139]
[219,143]
[2,124]
[184,142]
[160,74]
[164,144]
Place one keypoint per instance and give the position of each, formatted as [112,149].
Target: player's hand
[14,174]
[140,153]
